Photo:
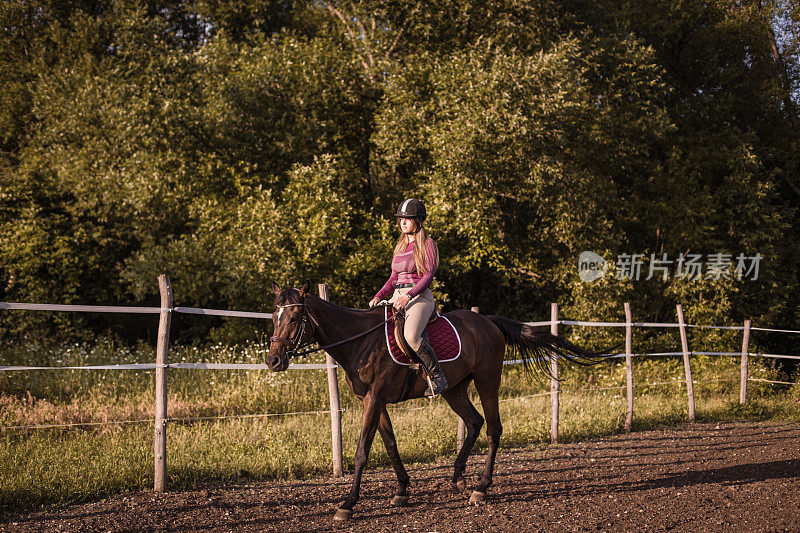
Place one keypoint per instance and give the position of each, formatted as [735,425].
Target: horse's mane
[349,308]
[292,296]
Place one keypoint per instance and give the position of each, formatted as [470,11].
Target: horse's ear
[305,288]
[276,288]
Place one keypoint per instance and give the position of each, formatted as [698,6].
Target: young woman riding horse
[354,338]
[413,266]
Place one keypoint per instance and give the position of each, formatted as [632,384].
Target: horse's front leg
[387,433]
[369,423]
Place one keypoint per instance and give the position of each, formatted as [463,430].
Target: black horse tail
[536,348]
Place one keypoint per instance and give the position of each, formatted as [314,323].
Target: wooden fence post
[336,411]
[162,346]
[554,383]
[686,364]
[629,365]
[745,356]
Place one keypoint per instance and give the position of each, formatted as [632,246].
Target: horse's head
[293,326]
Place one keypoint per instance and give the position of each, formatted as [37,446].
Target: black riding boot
[431,364]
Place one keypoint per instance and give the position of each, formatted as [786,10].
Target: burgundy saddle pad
[442,337]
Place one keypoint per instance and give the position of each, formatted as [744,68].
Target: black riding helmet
[412,208]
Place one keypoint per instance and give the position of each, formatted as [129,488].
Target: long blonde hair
[420,239]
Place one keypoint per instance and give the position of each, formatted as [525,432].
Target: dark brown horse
[354,338]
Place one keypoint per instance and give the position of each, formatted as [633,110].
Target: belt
[404,285]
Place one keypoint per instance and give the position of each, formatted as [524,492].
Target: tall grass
[63,465]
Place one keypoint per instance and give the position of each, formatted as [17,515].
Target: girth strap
[411,378]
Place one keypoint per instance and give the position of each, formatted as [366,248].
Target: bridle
[294,344]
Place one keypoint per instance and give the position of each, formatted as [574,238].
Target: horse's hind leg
[458,399]
[491,410]
[387,434]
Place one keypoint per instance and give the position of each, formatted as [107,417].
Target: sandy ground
[700,477]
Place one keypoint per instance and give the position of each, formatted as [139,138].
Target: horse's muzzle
[278,363]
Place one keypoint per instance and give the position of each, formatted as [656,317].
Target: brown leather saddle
[414,364]
[400,339]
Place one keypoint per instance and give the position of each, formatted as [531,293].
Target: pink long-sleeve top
[405,271]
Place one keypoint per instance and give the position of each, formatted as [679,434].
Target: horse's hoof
[343,514]
[477,496]
[399,501]
[460,485]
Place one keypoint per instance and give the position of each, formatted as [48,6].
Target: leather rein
[294,345]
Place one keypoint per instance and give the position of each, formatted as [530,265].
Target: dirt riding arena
[701,477]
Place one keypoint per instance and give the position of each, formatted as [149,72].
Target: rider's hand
[401,302]
[373,302]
